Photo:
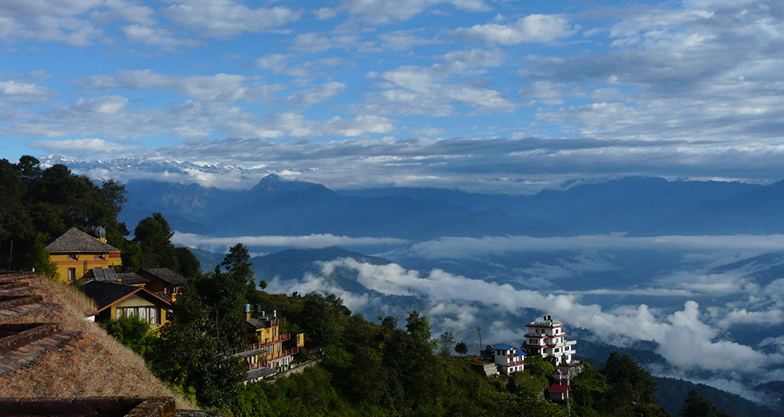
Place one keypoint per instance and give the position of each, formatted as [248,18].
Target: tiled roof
[165,274]
[107,293]
[132,278]
[77,241]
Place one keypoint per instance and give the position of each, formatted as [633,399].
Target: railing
[269,358]
[264,343]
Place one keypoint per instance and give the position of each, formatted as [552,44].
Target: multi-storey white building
[547,338]
[508,360]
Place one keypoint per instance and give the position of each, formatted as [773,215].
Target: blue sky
[470,93]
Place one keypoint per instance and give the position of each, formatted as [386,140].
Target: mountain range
[638,206]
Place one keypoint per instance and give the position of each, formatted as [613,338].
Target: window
[149,314]
[557,350]
[71,274]
[556,331]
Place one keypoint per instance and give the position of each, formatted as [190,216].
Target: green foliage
[153,235]
[697,406]
[632,389]
[38,259]
[461,348]
[321,318]
[237,264]
[539,368]
[132,332]
[189,264]
[445,343]
[49,202]
[588,390]
[191,352]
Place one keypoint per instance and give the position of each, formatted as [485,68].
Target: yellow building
[121,300]
[268,349]
[76,253]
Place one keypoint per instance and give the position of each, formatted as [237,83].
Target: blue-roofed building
[508,359]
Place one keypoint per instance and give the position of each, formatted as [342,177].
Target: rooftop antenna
[479,329]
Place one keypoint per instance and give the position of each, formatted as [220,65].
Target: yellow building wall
[136,301]
[83,263]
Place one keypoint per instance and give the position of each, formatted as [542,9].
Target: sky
[356,93]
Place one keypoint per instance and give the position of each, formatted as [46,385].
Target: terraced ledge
[11,301]
[13,336]
[23,310]
[88,407]
[28,353]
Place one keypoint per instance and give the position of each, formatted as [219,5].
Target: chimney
[247,311]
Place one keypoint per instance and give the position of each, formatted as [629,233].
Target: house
[508,360]
[559,392]
[162,281]
[115,300]
[77,253]
[547,338]
[268,350]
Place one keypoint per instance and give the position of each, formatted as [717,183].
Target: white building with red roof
[547,338]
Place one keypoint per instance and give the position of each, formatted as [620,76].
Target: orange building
[76,253]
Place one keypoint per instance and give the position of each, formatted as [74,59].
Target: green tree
[193,351]
[29,168]
[697,406]
[132,332]
[461,348]
[153,234]
[445,343]
[237,264]
[632,389]
[321,318]
[38,259]
[189,264]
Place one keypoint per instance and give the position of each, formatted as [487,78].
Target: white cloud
[21,92]
[389,11]
[221,244]
[83,147]
[683,338]
[535,28]
[49,20]
[295,125]
[470,248]
[317,95]
[219,87]
[227,18]
[154,36]
[430,91]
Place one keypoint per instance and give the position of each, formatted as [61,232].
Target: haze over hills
[639,206]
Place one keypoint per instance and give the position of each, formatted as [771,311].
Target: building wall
[137,301]
[83,263]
